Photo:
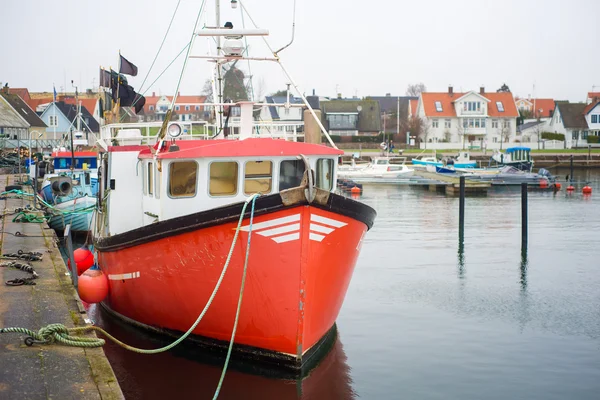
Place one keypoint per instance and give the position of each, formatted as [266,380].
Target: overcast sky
[355,47]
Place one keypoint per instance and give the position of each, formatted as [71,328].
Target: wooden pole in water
[461,209]
[571,176]
[523,215]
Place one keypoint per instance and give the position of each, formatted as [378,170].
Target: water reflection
[524,266]
[186,376]
[461,256]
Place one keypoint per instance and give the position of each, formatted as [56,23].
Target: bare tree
[504,131]
[462,130]
[415,89]
[207,90]
[260,89]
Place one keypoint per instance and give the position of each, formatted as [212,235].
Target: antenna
[293,31]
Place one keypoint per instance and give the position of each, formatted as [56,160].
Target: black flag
[127,67]
[105,78]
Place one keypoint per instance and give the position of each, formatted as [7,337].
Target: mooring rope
[61,334]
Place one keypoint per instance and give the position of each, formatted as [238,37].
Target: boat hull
[469,164]
[79,220]
[301,261]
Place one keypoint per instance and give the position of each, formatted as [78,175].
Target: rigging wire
[161,135]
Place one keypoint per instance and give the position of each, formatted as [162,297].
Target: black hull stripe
[216,216]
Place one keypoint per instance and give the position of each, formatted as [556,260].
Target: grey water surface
[424,320]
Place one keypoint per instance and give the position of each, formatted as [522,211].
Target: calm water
[423,321]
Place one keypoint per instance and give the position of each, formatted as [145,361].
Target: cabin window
[150,179]
[223,178]
[290,173]
[258,177]
[182,178]
[324,173]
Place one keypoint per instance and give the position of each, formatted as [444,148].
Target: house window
[465,123]
[594,119]
[448,123]
[290,173]
[575,135]
[471,122]
[495,140]
[500,106]
[258,177]
[434,123]
[584,135]
[472,106]
[182,178]
[506,124]
[495,123]
[53,120]
[476,122]
[223,178]
[176,108]
[150,179]
[197,108]
[483,122]
[324,173]
[151,108]
[187,108]
[438,106]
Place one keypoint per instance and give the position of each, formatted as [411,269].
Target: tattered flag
[127,67]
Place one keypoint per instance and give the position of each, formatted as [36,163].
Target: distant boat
[462,160]
[508,175]
[380,168]
[517,157]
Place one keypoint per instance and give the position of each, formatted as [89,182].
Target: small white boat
[379,168]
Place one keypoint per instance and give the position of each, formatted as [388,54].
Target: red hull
[300,266]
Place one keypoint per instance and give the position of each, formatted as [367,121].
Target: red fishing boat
[169,213]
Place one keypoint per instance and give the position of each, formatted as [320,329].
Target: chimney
[314,92]
[450,90]
[153,94]
[388,94]
[339,96]
[482,90]
[178,94]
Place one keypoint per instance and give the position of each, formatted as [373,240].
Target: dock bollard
[524,215]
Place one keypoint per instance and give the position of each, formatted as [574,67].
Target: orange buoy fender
[570,188]
[543,184]
[93,286]
[557,186]
[355,190]
[84,259]
[587,189]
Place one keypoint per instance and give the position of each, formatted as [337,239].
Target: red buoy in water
[587,189]
[355,190]
[543,184]
[557,186]
[570,188]
[92,286]
[84,259]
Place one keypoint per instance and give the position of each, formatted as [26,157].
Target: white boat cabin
[190,176]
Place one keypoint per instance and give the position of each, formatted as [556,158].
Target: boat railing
[145,133]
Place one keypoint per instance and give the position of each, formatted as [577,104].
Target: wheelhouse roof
[513,149]
[253,147]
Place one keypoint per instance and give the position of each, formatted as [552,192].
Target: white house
[476,118]
[187,108]
[592,117]
[574,120]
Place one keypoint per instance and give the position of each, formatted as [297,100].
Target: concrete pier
[451,184]
[44,371]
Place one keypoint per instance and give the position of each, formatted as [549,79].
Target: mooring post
[523,215]
[571,176]
[461,209]
[69,241]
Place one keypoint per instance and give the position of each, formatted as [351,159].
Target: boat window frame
[272,177]
[169,180]
[331,171]
[279,172]
[158,181]
[237,180]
